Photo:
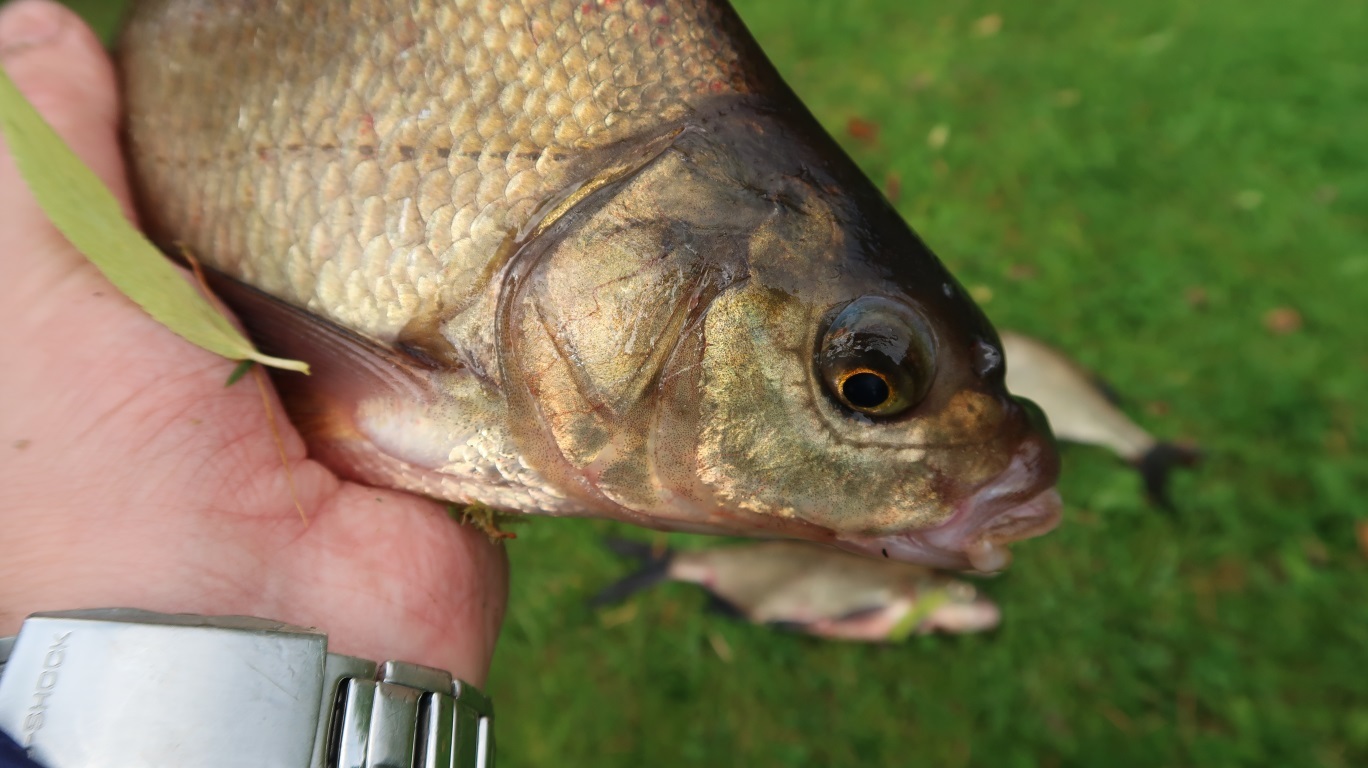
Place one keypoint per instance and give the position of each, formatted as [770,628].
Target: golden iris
[877,357]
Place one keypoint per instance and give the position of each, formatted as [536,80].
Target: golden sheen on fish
[579,258]
[814,589]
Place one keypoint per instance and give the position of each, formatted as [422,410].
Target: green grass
[1103,160]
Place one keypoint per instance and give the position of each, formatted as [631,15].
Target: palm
[132,476]
[166,490]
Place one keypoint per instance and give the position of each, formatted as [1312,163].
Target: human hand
[131,476]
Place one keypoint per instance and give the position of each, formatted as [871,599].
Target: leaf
[926,604]
[89,216]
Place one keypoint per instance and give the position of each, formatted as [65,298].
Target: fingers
[59,66]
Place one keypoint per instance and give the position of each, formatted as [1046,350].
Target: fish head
[740,335]
[954,607]
[851,384]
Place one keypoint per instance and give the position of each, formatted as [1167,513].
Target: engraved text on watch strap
[103,686]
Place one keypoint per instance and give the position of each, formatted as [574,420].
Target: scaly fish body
[815,589]
[579,258]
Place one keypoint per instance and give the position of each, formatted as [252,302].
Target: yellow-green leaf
[927,602]
[89,216]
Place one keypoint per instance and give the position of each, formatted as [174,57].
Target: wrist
[407,584]
[223,690]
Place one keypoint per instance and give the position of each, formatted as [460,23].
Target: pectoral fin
[373,412]
[347,367]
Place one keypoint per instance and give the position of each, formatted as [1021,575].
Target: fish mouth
[967,541]
[1019,503]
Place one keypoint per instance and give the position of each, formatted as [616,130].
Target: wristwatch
[119,687]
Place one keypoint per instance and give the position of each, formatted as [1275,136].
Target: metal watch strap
[122,687]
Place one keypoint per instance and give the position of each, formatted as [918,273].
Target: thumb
[58,64]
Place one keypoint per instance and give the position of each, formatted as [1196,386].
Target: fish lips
[966,542]
[1019,503]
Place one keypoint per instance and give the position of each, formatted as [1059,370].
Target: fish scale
[383,168]
[585,258]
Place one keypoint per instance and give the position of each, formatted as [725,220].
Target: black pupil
[865,390]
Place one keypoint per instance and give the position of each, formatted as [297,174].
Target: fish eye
[865,389]
[877,357]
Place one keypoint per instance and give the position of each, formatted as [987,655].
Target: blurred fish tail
[1156,466]
[655,568]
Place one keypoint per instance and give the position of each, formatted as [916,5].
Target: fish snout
[1018,503]
[979,615]
[1036,420]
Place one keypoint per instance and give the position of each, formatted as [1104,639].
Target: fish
[1082,409]
[813,589]
[587,258]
